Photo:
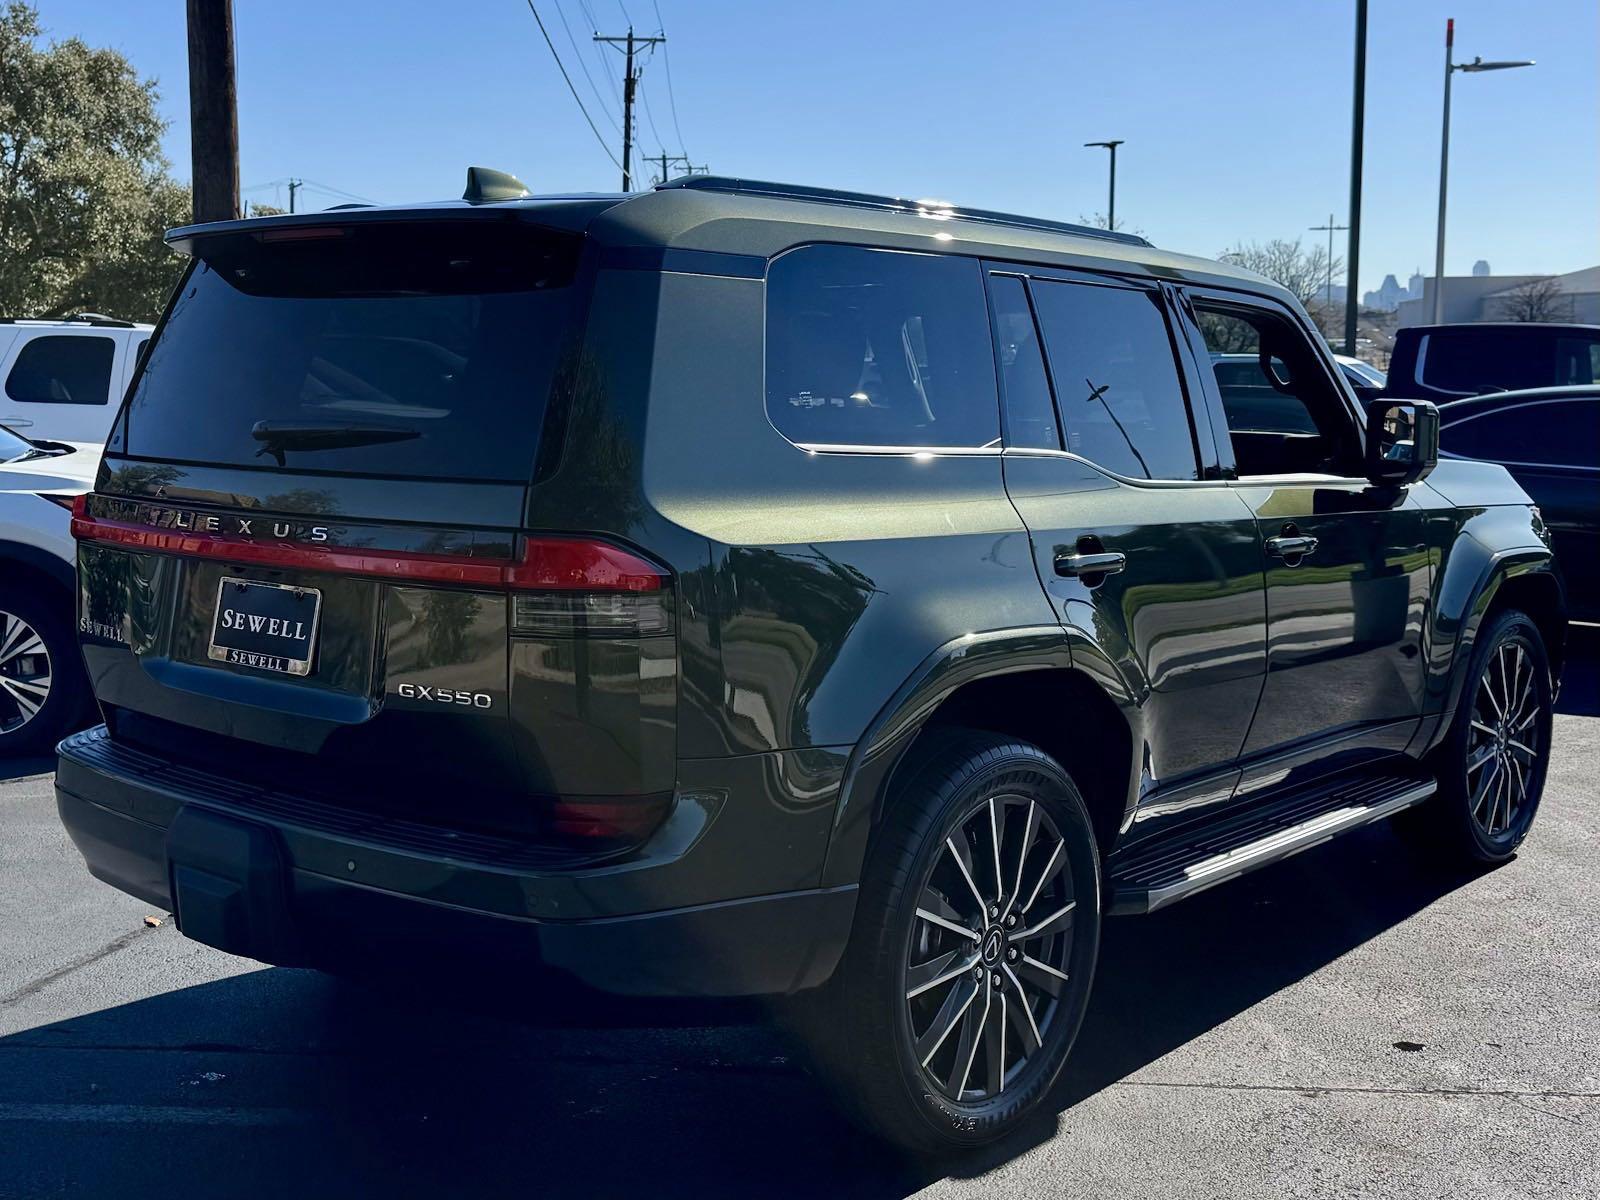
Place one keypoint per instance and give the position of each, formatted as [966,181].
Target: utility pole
[1358,120]
[1111,204]
[1327,296]
[295,184]
[213,111]
[630,80]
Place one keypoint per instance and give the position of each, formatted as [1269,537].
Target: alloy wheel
[24,673]
[988,955]
[1503,747]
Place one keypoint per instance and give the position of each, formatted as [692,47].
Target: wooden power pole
[213,111]
[630,80]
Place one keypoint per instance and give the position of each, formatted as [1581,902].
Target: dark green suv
[752,590]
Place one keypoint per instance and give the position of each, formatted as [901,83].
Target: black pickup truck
[1450,362]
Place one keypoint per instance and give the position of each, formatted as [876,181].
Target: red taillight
[546,564]
[302,233]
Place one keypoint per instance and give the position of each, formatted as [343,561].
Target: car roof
[80,321]
[1471,406]
[757,220]
[1484,326]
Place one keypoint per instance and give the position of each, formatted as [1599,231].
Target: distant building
[1390,295]
[1481,267]
[1485,298]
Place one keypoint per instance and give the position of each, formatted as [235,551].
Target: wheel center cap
[994,945]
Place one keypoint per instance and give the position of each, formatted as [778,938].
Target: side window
[1117,382]
[1285,417]
[1577,361]
[1562,433]
[62,370]
[1030,411]
[1473,361]
[879,348]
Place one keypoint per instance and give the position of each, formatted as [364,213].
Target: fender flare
[958,662]
[1461,610]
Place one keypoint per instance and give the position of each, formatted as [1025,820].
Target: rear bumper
[304,883]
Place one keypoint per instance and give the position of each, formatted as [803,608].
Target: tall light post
[1111,204]
[1450,68]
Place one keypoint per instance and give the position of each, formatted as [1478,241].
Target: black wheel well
[1064,714]
[24,576]
[1537,594]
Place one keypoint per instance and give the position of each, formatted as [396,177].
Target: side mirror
[1402,441]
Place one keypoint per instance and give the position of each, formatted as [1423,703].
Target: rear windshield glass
[417,350]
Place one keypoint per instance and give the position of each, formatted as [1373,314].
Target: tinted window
[415,350]
[1488,360]
[1550,433]
[62,370]
[1122,403]
[1577,361]
[879,348]
[1030,412]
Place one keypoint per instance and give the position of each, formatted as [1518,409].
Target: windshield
[419,350]
[13,447]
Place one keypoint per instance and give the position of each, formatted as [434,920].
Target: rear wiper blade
[278,436]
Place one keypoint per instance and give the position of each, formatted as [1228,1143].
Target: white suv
[43,691]
[63,380]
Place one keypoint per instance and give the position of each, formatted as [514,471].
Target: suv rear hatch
[306,562]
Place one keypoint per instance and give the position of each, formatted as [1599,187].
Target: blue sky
[1236,115]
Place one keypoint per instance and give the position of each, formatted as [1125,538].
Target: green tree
[84,191]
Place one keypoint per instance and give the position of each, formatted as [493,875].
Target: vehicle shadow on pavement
[279,1078]
[1580,680]
[21,768]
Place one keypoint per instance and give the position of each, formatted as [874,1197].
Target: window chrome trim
[897,451]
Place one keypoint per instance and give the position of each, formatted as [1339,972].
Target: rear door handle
[17,422]
[1291,546]
[1107,562]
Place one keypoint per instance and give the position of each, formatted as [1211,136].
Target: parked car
[63,379]
[1364,378]
[1251,395]
[43,691]
[1448,362]
[746,589]
[1549,439]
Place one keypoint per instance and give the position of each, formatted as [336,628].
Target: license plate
[268,626]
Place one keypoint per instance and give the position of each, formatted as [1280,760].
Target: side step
[1190,860]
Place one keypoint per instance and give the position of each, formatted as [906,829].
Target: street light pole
[1111,203]
[1450,68]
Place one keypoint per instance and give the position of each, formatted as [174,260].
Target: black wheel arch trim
[42,561]
[958,662]
[1463,600]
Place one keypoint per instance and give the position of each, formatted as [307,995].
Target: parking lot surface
[1352,1022]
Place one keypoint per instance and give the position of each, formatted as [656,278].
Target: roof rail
[931,208]
[83,318]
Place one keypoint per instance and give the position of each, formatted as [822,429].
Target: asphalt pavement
[1352,1022]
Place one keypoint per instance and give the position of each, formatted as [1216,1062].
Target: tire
[38,650]
[1491,766]
[914,1058]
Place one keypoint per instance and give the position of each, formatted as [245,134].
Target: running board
[1187,862]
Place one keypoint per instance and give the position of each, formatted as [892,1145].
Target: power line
[584,67]
[579,99]
[666,61]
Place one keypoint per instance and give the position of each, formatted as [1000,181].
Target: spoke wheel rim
[25,673]
[1505,741]
[988,959]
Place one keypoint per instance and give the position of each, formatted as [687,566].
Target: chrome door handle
[1107,562]
[1291,546]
